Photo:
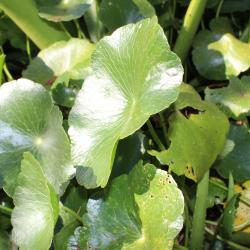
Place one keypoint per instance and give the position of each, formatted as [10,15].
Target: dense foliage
[124,124]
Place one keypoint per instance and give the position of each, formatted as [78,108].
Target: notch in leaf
[135,75]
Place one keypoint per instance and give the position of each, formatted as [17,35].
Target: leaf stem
[164,127]
[154,135]
[28,49]
[72,212]
[5,210]
[218,9]
[65,30]
[80,33]
[197,233]
[190,25]
[7,72]
[228,242]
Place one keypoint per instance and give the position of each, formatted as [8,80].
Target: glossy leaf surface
[116,13]
[195,141]
[235,157]
[62,10]
[30,122]
[233,99]
[126,217]
[135,75]
[63,59]
[218,54]
[36,207]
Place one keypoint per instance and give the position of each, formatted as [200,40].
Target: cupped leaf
[117,13]
[235,157]
[62,10]
[218,54]
[30,122]
[36,207]
[135,75]
[68,59]
[195,141]
[142,210]
[233,99]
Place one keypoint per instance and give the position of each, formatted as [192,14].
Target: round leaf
[218,54]
[235,157]
[142,210]
[36,207]
[30,122]
[233,99]
[135,75]
[69,58]
[62,10]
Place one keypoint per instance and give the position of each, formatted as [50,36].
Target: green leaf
[69,58]
[61,239]
[142,210]
[230,6]
[36,207]
[235,157]
[195,141]
[116,13]
[62,10]
[121,95]
[5,240]
[234,99]
[30,122]
[218,54]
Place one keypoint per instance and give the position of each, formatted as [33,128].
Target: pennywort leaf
[36,207]
[135,75]
[126,217]
[30,122]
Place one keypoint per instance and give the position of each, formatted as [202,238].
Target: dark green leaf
[5,241]
[218,54]
[121,95]
[233,99]
[142,210]
[30,122]
[116,13]
[62,10]
[235,157]
[36,207]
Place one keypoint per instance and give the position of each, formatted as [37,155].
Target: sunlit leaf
[218,54]
[62,10]
[70,58]
[195,141]
[233,99]
[36,207]
[135,75]
[235,157]
[142,210]
[30,122]
[116,13]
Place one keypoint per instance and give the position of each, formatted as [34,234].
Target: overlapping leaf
[142,210]
[36,207]
[62,10]
[63,59]
[218,54]
[135,75]
[235,157]
[233,99]
[116,13]
[195,141]
[30,122]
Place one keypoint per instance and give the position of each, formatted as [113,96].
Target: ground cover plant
[124,124]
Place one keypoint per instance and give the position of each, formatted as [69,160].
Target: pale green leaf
[235,157]
[218,54]
[71,58]
[135,75]
[30,122]
[195,140]
[233,99]
[142,210]
[62,10]
[116,13]
[36,207]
